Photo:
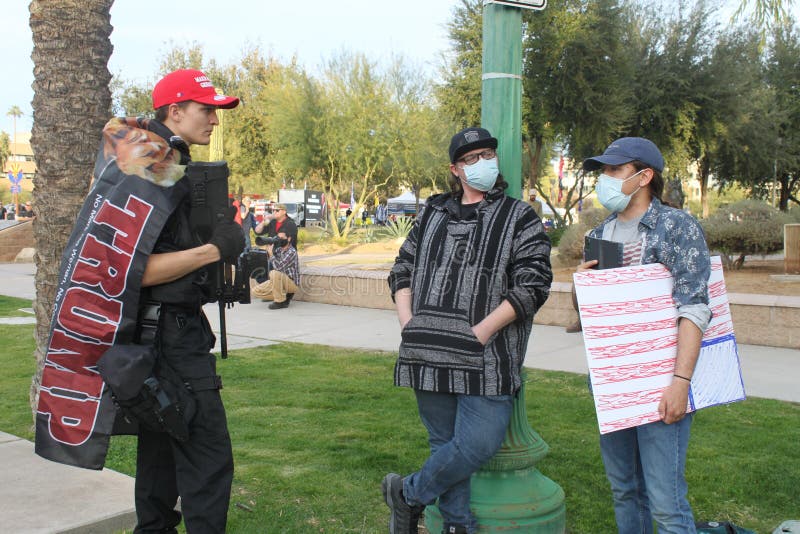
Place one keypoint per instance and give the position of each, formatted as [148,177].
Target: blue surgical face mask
[482,175]
[609,192]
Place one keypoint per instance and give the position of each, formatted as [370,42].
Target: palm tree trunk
[71,103]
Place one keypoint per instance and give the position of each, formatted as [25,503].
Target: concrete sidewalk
[45,497]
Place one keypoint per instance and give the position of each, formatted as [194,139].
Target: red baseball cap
[189,84]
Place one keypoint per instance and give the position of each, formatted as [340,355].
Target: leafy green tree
[765,13]
[423,134]
[783,78]
[131,100]
[5,149]
[670,84]
[249,131]
[576,90]
[357,131]
[460,92]
[728,110]
[179,57]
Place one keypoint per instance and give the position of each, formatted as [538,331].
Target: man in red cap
[200,469]
[186,102]
[131,288]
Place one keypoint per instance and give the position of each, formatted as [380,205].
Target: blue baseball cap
[625,150]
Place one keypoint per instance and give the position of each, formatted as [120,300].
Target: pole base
[511,501]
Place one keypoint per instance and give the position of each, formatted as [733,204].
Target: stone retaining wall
[757,319]
[14,237]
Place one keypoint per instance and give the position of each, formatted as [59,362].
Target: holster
[147,391]
[145,388]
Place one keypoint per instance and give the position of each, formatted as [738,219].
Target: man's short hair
[161,113]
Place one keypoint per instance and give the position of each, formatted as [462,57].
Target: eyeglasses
[471,159]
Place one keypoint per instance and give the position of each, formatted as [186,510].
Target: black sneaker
[279,305]
[404,518]
[289,296]
[450,528]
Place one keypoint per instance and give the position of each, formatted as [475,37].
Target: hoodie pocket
[441,339]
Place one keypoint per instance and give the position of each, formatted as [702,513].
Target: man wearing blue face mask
[466,282]
[645,464]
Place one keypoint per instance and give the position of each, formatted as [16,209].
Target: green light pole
[509,494]
[501,91]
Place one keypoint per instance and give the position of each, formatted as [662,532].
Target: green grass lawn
[315,428]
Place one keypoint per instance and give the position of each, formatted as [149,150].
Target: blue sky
[313,30]
[144,30]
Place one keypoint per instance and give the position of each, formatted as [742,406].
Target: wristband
[683,377]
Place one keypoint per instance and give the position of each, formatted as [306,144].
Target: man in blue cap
[645,464]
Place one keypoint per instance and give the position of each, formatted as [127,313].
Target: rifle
[210,205]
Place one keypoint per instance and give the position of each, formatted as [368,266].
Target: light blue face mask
[482,175]
[609,192]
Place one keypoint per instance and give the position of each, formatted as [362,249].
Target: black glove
[228,238]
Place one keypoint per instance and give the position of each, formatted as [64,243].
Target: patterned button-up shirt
[286,261]
[675,239]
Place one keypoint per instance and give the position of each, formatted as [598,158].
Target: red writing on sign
[88,320]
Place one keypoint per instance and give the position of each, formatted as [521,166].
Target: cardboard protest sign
[630,334]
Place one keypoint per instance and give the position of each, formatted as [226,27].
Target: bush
[570,246]
[745,228]
[398,229]
[794,213]
[556,234]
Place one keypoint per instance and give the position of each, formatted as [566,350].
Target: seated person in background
[279,221]
[284,273]
[26,212]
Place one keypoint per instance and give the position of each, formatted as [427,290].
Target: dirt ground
[753,277]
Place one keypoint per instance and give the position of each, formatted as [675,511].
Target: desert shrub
[745,228]
[794,213]
[398,229]
[556,234]
[570,246]
[369,234]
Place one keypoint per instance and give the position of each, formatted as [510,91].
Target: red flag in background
[560,178]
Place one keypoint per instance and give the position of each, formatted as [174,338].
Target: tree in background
[272,136]
[783,78]
[422,132]
[71,44]
[5,149]
[459,95]
[766,13]
[14,112]
[358,130]
[576,95]
[732,115]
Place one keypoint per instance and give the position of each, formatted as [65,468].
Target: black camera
[280,241]
[252,263]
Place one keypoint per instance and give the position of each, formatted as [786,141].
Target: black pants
[200,470]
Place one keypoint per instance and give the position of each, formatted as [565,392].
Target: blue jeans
[464,431]
[645,466]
